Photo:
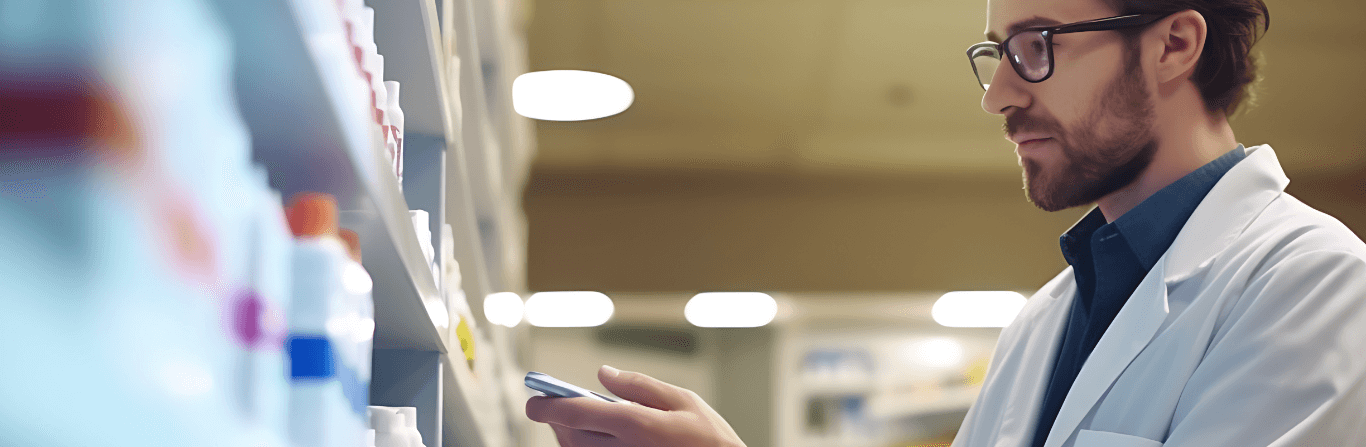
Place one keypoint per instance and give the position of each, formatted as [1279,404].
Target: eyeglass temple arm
[1109,23]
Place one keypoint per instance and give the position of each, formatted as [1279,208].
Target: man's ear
[1183,41]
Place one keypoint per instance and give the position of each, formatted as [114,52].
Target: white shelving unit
[890,397]
[309,140]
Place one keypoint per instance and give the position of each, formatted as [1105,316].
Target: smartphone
[558,388]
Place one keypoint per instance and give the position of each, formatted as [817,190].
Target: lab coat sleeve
[1287,366]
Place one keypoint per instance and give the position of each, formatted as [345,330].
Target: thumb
[643,389]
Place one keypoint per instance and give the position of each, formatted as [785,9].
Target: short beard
[1095,166]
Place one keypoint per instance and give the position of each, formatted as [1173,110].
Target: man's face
[1087,130]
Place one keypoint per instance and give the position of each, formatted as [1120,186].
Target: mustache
[1020,121]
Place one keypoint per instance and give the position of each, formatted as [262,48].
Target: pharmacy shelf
[310,139]
[408,35]
[465,400]
[301,96]
[484,188]
[297,94]
[837,387]
[921,404]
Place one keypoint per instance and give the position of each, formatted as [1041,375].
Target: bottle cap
[409,416]
[312,214]
[391,88]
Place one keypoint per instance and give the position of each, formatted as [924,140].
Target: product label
[310,357]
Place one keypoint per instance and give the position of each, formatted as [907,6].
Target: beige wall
[734,230]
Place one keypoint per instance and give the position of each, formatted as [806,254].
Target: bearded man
[1203,305]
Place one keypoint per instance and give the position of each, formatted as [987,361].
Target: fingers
[644,389]
[568,437]
[562,435]
[594,415]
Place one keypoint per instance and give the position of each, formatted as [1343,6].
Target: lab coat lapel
[1130,332]
[1224,213]
[1227,210]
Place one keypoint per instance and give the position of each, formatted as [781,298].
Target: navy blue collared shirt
[1109,260]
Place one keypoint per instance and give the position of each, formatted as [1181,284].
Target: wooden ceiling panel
[714,61]
[900,65]
[880,84]
[557,38]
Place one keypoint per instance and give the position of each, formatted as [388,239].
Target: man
[1203,305]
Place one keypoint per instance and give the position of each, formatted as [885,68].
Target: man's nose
[1005,91]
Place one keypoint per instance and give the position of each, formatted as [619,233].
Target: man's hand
[658,414]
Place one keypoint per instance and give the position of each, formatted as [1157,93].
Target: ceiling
[877,85]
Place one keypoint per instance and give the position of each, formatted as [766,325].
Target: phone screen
[558,388]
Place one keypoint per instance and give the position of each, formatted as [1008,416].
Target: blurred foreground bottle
[123,169]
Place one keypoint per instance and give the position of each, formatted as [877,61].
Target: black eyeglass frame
[1105,24]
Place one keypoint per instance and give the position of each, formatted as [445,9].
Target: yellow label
[462,331]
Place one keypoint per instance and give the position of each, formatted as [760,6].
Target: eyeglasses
[1030,51]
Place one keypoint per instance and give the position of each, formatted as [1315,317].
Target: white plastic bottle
[410,426]
[395,427]
[395,113]
[388,426]
[320,413]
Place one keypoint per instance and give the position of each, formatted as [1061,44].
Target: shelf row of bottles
[158,290]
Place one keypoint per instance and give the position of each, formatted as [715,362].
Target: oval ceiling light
[504,308]
[730,309]
[568,309]
[977,309]
[570,95]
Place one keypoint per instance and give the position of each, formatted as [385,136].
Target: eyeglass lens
[1028,50]
[985,61]
[1030,54]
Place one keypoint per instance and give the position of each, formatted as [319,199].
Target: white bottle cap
[394,111]
[385,419]
[392,87]
[365,30]
[351,11]
[409,414]
[377,81]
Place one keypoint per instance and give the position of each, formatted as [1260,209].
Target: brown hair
[1227,67]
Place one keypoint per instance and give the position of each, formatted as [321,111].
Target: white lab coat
[1249,331]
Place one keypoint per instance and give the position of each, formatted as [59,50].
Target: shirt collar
[1076,242]
[1150,227]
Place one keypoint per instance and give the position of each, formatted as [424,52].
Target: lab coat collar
[1227,210]
[1224,213]
[1066,282]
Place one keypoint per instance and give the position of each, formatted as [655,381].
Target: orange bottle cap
[312,214]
